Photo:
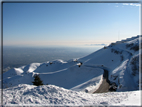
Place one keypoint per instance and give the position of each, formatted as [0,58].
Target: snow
[60,73]
[134,99]
[72,82]
[51,95]
[89,86]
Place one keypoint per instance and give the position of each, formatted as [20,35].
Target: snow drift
[51,95]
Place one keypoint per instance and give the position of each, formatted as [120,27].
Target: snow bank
[50,95]
[89,86]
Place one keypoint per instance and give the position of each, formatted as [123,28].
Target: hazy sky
[68,24]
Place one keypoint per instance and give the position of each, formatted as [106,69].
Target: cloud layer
[132,4]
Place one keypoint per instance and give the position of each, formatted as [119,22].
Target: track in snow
[104,87]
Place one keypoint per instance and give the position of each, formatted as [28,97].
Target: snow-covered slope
[60,73]
[50,95]
[120,59]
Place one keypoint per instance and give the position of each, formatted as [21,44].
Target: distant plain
[19,56]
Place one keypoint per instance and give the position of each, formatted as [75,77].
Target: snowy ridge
[73,81]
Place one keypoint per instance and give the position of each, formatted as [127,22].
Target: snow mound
[51,95]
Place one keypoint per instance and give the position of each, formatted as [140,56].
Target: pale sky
[68,24]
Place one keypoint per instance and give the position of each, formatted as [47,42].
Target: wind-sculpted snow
[50,95]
